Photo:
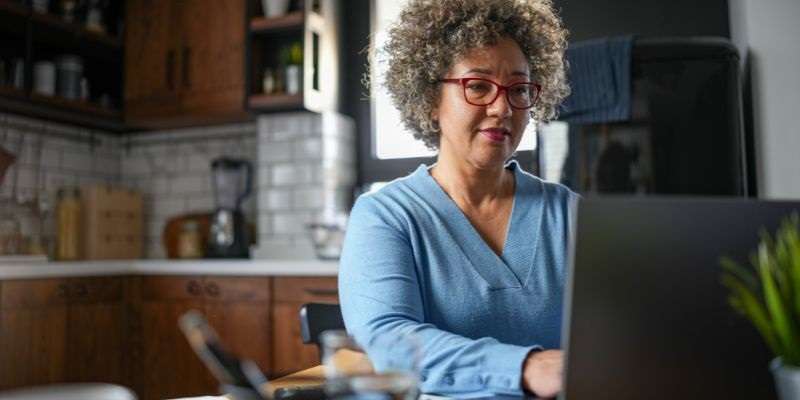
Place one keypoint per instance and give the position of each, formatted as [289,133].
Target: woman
[468,254]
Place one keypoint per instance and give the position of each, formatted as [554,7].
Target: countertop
[45,269]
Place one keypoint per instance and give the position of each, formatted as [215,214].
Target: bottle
[190,245]
[68,215]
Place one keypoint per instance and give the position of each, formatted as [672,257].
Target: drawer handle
[322,292]
[212,289]
[194,288]
[80,290]
[63,291]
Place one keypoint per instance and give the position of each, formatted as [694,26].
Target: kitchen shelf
[56,108]
[271,102]
[290,21]
[12,92]
[46,36]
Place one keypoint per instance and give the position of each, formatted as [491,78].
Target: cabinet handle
[194,288]
[212,289]
[80,290]
[186,67]
[322,292]
[63,291]
[170,70]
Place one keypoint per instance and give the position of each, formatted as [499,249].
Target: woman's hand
[542,373]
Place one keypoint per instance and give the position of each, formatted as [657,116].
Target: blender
[232,180]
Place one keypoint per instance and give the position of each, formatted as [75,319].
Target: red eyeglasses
[482,92]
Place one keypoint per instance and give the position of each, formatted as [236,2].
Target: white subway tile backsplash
[166,207]
[264,224]
[308,148]
[308,198]
[291,174]
[273,152]
[278,199]
[264,177]
[289,223]
[76,162]
[190,184]
[204,202]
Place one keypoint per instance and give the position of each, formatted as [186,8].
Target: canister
[70,72]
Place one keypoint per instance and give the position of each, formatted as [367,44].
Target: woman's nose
[500,107]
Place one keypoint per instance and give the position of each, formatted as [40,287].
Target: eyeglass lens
[482,92]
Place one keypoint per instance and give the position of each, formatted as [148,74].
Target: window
[392,151]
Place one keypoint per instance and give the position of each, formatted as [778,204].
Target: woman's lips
[495,135]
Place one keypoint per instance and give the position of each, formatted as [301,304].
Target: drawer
[220,288]
[306,289]
[28,293]
[96,289]
[156,288]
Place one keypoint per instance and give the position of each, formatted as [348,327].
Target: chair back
[316,318]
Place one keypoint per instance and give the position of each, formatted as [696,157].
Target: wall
[304,172]
[50,156]
[172,169]
[306,165]
[767,32]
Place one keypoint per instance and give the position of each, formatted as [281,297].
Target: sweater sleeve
[380,293]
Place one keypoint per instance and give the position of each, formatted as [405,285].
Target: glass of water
[391,372]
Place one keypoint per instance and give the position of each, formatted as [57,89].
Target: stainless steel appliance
[232,180]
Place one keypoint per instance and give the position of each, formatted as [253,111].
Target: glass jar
[190,244]
[68,229]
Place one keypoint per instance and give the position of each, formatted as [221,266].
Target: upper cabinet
[294,57]
[62,61]
[184,62]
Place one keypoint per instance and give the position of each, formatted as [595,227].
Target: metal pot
[787,380]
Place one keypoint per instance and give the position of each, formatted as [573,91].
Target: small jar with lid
[68,229]
[190,244]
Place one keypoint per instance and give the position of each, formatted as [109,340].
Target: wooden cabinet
[237,308]
[151,54]
[185,63]
[62,330]
[291,293]
[125,329]
[316,28]
[97,328]
[33,325]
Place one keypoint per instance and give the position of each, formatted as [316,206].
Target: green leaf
[746,302]
[745,276]
[778,312]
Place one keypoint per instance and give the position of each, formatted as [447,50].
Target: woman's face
[483,136]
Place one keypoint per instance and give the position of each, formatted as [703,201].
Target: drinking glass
[391,374]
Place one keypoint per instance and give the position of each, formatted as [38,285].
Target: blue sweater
[412,262]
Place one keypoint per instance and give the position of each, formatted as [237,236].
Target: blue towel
[600,76]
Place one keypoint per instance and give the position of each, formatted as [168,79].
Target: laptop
[645,314]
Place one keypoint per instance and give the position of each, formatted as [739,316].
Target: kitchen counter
[46,269]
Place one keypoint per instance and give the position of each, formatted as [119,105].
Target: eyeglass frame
[500,88]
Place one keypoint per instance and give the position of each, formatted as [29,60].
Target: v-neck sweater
[412,262]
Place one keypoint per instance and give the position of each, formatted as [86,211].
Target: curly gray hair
[430,34]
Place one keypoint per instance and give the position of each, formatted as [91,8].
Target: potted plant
[768,294]
[291,58]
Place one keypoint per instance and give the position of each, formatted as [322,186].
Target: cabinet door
[290,294]
[238,308]
[33,324]
[96,331]
[212,56]
[151,59]
[169,367]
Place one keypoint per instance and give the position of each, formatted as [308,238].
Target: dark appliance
[232,180]
[684,135]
